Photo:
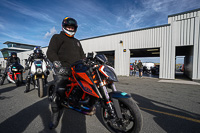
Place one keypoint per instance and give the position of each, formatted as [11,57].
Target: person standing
[131,69]
[140,67]
[134,67]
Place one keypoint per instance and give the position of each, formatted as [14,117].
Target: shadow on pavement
[7,89]
[171,124]
[71,121]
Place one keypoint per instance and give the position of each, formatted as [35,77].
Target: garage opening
[184,62]
[110,55]
[150,59]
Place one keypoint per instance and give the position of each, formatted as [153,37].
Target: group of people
[63,50]
[136,66]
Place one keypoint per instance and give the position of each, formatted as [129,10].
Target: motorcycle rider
[63,50]
[37,54]
[12,59]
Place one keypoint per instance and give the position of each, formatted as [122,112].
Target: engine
[75,96]
[75,99]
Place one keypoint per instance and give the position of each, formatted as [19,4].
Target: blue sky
[35,21]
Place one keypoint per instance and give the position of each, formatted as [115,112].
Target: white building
[180,37]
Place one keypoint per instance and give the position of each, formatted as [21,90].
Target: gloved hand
[57,64]
[48,66]
[26,67]
[59,69]
[62,71]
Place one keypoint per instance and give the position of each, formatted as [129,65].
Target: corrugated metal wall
[144,38]
[186,32]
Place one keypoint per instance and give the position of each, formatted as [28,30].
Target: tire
[18,80]
[40,88]
[50,91]
[130,113]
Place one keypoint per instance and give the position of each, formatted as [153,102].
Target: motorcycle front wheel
[18,80]
[40,87]
[131,121]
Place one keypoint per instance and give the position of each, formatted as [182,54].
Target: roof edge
[198,9]
[19,43]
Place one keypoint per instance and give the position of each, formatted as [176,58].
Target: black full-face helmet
[13,54]
[37,52]
[67,21]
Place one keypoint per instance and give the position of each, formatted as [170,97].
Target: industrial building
[180,37]
[14,47]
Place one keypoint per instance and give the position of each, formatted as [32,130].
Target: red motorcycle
[91,83]
[14,74]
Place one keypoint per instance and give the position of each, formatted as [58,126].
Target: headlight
[39,70]
[14,69]
[108,72]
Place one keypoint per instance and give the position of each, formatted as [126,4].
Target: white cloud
[52,32]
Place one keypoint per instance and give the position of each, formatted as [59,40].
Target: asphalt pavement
[167,107]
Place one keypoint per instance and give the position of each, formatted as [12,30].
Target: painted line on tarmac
[169,114]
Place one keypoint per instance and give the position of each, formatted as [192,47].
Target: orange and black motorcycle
[91,83]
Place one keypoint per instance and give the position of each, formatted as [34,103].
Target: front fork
[108,101]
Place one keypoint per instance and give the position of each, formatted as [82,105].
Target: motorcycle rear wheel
[131,121]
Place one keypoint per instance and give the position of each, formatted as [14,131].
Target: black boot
[27,85]
[27,88]
[2,79]
[55,117]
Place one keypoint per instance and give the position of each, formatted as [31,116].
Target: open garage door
[184,62]
[110,55]
[150,58]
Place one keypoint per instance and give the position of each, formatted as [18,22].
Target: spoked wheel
[131,121]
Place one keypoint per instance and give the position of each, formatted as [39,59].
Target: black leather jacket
[12,60]
[65,49]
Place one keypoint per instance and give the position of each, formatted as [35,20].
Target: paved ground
[167,107]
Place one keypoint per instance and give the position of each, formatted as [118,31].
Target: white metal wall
[186,32]
[146,38]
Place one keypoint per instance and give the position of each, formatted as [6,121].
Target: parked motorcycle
[15,74]
[91,83]
[39,76]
